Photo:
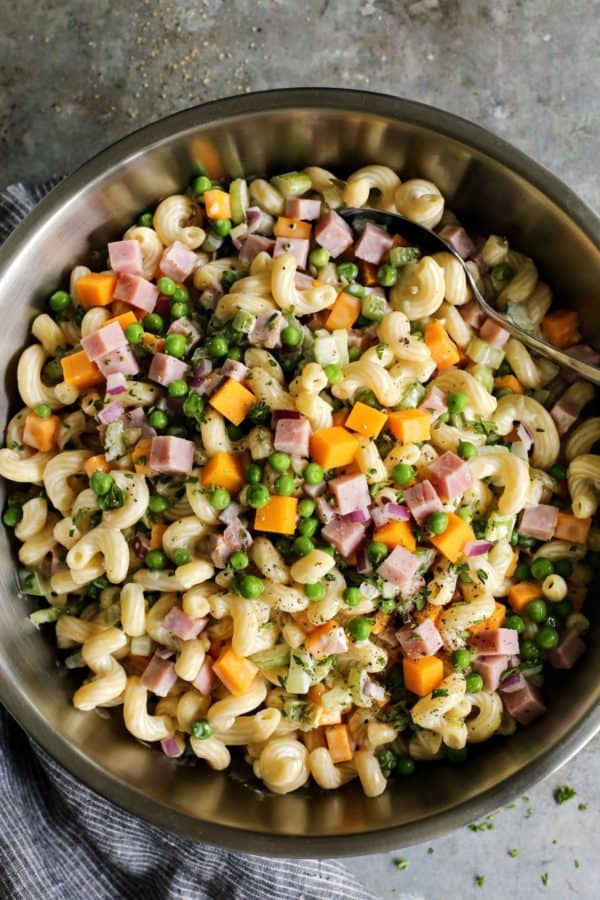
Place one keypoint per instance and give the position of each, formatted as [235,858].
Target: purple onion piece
[116,383]
[171,747]
[362,516]
[514,682]
[140,546]
[477,548]
[278,414]
[230,514]
[110,413]
[164,652]
[163,307]
[363,566]
[525,436]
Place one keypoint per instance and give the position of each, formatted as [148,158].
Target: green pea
[154,323]
[437,522]
[522,572]
[303,545]
[145,220]
[235,432]
[387,605]
[537,611]
[562,609]
[201,730]
[547,638]
[234,353]
[306,508]
[528,651]
[221,227]
[101,483]
[291,336]
[347,270]
[334,373]
[315,591]
[59,301]
[178,388]
[457,402]
[308,527]
[352,596]
[158,419]
[465,514]
[250,586]
[387,275]
[516,623]
[166,286]
[181,556]
[155,559]
[318,257]
[239,560]
[474,683]
[359,629]
[356,290]
[313,473]
[200,185]
[541,568]
[501,272]
[220,499]
[178,310]
[258,496]
[285,485]
[466,450]
[181,295]
[377,552]
[217,347]
[253,473]
[157,504]
[175,345]
[43,411]
[279,461]
[354,353]
[405,765]
[260,413]
[12,516]
[558,471]
[134,333]
[563,567]
[457,756]
[403,473]
[461,659]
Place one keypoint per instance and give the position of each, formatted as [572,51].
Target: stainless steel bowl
[494,187]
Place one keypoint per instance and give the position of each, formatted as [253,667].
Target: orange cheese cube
[452,542]
[570,528]
[519,595]
[277,516]
[42,434]
[344,312]
[125,319]
[233,401]
[409,426]
[366,420]
[140,456]
[236,672]
[422,676]
[496,620]
[394,534]
[217,204]
[223,470]
[80,372]
[338,743]
[96,464]
[292,228]
[153,342]
[333,447]
[96,289]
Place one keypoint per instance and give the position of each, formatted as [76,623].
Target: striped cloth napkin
[61,841]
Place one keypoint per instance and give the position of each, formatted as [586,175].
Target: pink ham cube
[422,499]
[182,625]
[333,233]
[205,679]
[120,360]
[293,436]
[524,705]
[565,413]
[473,314]
[491,668]
[125,257]
[493,333]
[539,522]
[178,262]
[400,567]
[344,535]
[569,649]
[458,239]
[187,329]
[450,476]
[164,369]
[253,245]
[373,243]
[298,247]
[171,455]
[351,493]
[159,676]
[434,403]
[424,640]
[104,341]
[302,208]
[266,331]
[136,291]
[496,642]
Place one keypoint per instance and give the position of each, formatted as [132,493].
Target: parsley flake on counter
[582,807]
[545,878]
[564,793]
[514,852]
[401,864]
[480,880]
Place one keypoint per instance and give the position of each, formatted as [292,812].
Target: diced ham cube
[325,511]
[293,436]
[266,331]
[373,243]
[473,314]
[120,360]
[159,676]
[373,689]
[450,475]
[422,499]
[136,291]
[565,413]
[253,245]
[171,455]
[102,342]
[182,625]
[458,239]
[434,403]
[539,522]
[234,369]
[569,649]
[493,333]
[205,679]
[424,640]
[126,257]
[178,261]
[335,641]
[303,208]
[333,233]
[164,369]
[491,668]
[136,418]
[298,247]
[583,352]
[524,705]
[496,642]
[351,493]
[399,567]
[187,329]
[344,535]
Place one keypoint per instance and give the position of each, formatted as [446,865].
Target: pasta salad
[285,488]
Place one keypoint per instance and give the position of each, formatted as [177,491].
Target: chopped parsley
[401,864]
[582,807]
[545,878]
[564,793]
[480,880]
[439,692]
[514,852]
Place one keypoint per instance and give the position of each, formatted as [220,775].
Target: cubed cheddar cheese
[233,401]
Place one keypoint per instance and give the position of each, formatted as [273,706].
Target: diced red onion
[163,307]
[373,689]
[360,515]
[116,383]
[140,547]
[203,369]
[278,414]
[514,682]
[391,511]
[363,566]
[171,747]
[253,218]
[110,413]
[477,548]
[525,436]
[230,514]
[164,652]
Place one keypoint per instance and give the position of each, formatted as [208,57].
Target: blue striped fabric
[61,841]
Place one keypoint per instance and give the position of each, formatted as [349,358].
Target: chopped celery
[238,196]
[323,668]
[340,336]
[356,682]
[75,660]
[499,528]
[292,184]
[325,349]
[274,658]
[243,321]
[212,243]
[401,256]
[114,441]
[374,307]
[426,557]
[336,698]
[141,646]
[517,313]
[300,711]
[31,582]
[482,352]
[300,673]
[484,375]
[44,616]
[413,395]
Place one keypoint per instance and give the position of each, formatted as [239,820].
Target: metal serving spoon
[430,242]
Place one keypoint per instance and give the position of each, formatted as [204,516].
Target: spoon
[430,242]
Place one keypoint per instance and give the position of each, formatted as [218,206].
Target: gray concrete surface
[74,77]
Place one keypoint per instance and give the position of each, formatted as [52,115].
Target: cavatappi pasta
[287,493]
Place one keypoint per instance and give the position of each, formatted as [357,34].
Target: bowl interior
[495,189]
